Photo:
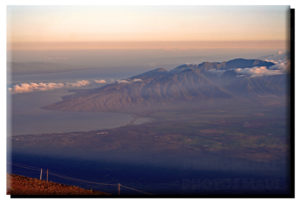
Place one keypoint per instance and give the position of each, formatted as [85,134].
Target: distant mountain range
[188,82]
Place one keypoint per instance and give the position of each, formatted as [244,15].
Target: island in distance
[199,84]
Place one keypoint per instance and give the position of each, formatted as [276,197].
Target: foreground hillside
[20,185]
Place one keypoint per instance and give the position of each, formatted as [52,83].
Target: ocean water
[27,117]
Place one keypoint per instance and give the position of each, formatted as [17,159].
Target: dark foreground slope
[20,185]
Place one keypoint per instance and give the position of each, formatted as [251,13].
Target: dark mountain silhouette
[159,87]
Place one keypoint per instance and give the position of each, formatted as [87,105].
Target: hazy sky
[49,26]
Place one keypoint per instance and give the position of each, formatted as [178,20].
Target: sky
[59,27]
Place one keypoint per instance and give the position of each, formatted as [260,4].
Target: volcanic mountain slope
[197,83]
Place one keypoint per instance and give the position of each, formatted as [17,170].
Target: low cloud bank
[282,66]
[78,84]
[122,81]
[100,81]
[129,80]
[258,71]
[137,80]
[30,87]
[41,86]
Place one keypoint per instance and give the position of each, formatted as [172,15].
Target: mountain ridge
[158,87]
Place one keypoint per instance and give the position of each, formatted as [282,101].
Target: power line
[25,166]
[79,180]
[134,189]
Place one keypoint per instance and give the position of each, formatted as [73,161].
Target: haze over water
[70,66]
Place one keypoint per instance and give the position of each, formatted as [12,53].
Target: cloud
[123,81]
[258,71]
[130,81]
[280,57]
[30,87]
[100,81]
[41,86]
[280,52]
[78,84]
[137,80]
[282,66]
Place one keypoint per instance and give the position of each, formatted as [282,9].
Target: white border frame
[3,81]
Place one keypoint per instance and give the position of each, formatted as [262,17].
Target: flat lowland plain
[255,133]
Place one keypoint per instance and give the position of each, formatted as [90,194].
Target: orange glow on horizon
[165,45]
[135,27]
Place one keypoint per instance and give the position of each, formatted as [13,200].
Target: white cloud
[282,66]
[280,60]
[78,84]
[41,86]
[100,81]
[30,87]
[129,81]
[137,80]
[280,57]
[258,71]
[123,81]
[280,52]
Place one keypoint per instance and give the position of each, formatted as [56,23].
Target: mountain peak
[183,67]
[246,63]
[234,64]
[151,73]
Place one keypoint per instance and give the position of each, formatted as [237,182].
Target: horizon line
[170,45]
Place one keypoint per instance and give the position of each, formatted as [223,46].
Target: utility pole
[41,174]
[119,188]
[47,174]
